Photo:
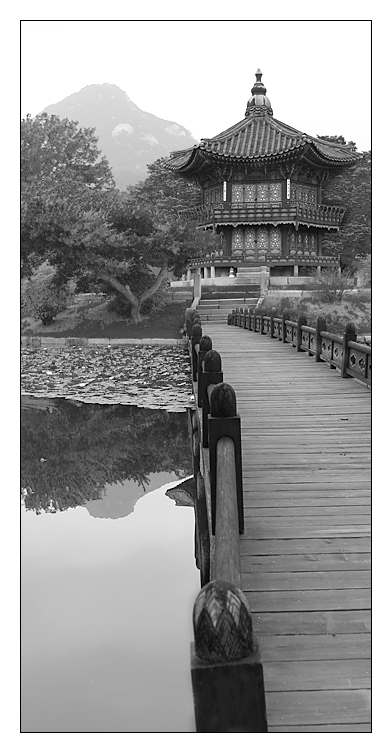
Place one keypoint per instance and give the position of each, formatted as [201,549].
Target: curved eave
[315,157]
[259,140]
[181,161]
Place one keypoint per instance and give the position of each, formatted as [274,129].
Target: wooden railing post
[211,374]
[285,317]
[195,340]
[226,669]
[202,531]
[262,321]
[272,315]
[300,322]
[350,333]
[224,422]
[321,326]
[205,345]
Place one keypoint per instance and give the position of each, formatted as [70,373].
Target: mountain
[130,138]
[119,499]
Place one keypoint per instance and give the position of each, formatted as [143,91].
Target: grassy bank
[93,320]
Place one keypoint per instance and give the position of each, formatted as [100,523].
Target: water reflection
[107,595]
[71,451]
[106,619]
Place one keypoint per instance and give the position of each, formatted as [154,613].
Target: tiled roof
[260,137]
[254,137]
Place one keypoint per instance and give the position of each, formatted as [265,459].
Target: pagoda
[261,183]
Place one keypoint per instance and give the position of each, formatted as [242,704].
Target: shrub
[364,271]
[42,296]
[331,286]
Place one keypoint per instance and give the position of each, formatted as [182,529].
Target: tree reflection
[70,451]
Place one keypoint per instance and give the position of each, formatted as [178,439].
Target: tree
[57,149]
[165,193]
[121,243]
[340,140]
[61,170]
[132,262]
[352,190]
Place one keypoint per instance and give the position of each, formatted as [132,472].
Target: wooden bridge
[305,550]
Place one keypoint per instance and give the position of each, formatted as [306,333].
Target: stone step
[227,301]
[213,320]
[225,309]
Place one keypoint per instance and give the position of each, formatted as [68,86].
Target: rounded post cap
[212,361]
[222,623]
[223,402]
[351,328]
[197,330]
[205,343]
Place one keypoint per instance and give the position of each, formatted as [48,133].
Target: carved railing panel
[359,361]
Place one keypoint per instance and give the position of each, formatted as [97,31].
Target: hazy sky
[200,73]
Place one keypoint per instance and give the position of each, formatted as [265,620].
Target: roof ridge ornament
[258,103]
[258,87]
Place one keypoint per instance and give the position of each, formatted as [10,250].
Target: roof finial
[258,87]
[258,103]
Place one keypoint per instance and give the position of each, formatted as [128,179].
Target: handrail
[227,673]
[341,352]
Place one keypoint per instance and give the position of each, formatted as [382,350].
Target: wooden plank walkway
[305,553]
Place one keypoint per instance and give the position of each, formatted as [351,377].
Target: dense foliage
[122,244]
[350,188]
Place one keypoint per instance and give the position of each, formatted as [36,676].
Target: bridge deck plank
[305,553]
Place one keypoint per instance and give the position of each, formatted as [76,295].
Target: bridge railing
[226,669]
[341,352]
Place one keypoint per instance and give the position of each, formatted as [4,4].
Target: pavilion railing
[255,212]
[342,352]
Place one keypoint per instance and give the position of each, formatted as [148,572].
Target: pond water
[108,571]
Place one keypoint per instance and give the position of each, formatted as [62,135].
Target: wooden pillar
[285,241]
[212,272]
[295,270]
[320,243]
[227,241]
